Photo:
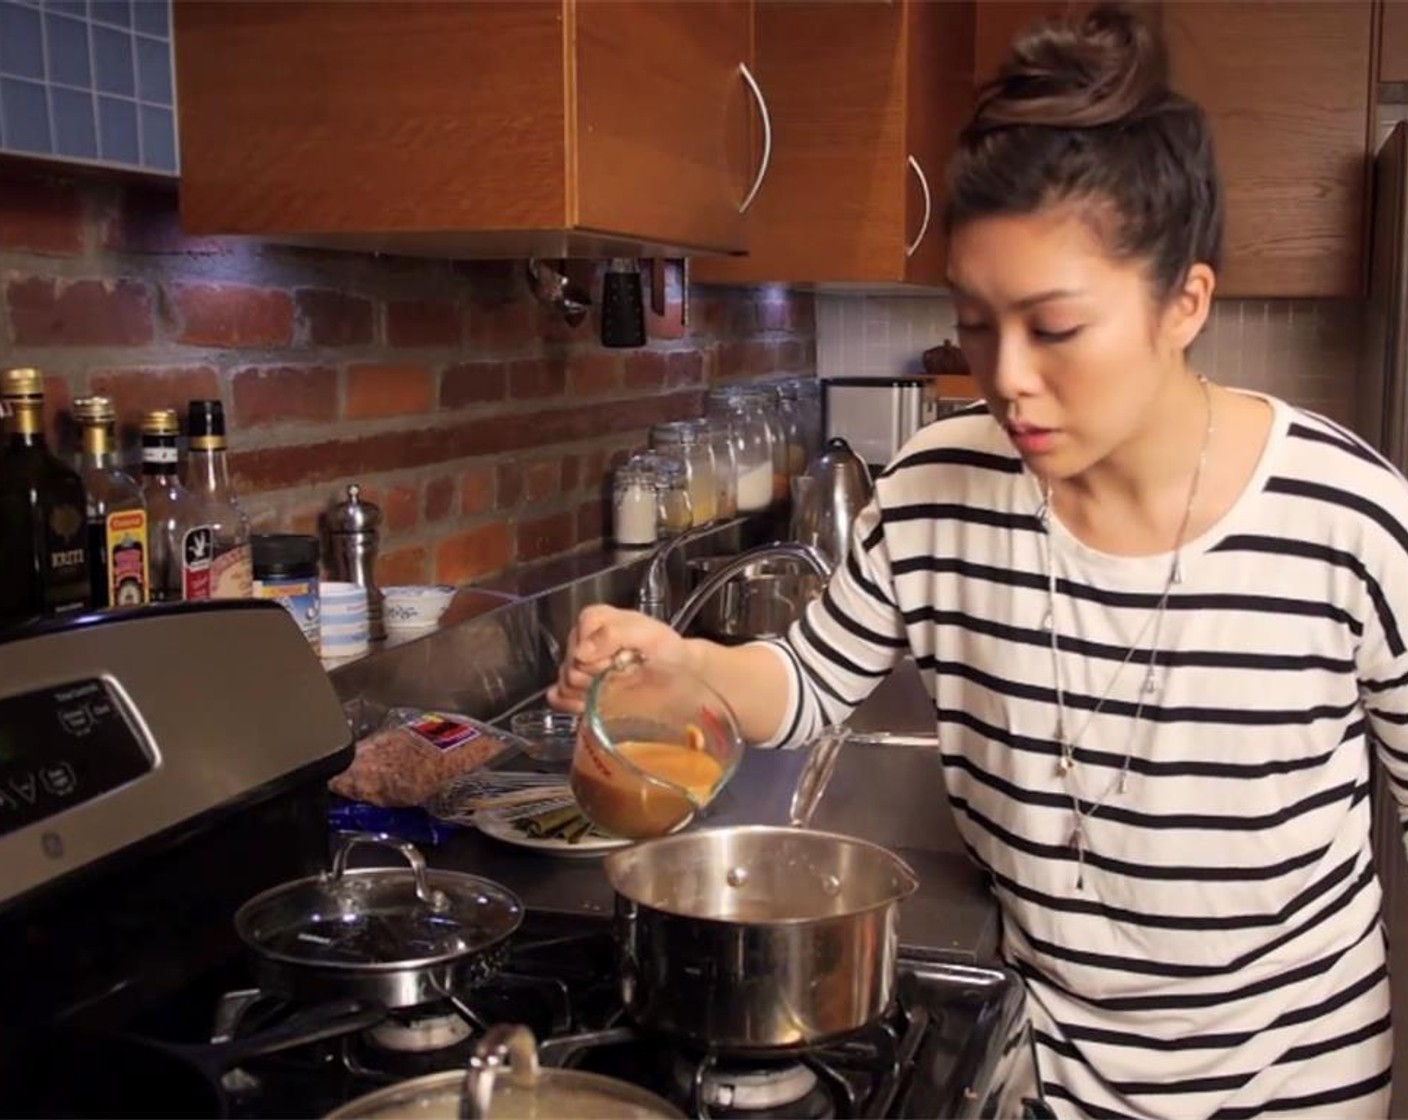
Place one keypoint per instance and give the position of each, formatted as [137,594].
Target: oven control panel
[62,746]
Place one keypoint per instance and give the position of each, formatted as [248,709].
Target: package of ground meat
[414,753]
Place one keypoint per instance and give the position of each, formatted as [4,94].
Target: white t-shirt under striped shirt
[1224,954]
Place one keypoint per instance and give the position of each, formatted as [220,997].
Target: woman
[1156,616]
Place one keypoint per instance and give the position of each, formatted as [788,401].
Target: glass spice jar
[752,446]
[635,505]
[686,440]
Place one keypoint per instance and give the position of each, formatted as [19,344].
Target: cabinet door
[832,205]
[411,120]
[1393,42]
[998,22]
[660,134]
[1287,89]
[938,101]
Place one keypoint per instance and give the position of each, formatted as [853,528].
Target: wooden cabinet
[1393,42]
[1287,87]
[525,127]
[864,99]
[999,22]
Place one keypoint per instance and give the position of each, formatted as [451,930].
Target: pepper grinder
[353,529]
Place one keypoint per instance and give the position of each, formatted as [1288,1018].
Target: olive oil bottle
[43,558]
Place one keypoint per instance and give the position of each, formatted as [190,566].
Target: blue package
[413,824]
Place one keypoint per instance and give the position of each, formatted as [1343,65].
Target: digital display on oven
[62,746]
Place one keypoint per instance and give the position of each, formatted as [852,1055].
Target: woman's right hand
[600,634]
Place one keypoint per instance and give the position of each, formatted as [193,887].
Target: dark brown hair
[1081,111]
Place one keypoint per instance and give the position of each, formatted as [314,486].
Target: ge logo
[53,845]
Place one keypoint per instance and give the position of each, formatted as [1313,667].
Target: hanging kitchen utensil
[395,936]
[757,939]
[552,288]
[505,1079]
[622,305]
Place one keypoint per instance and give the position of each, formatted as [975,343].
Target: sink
[901,707]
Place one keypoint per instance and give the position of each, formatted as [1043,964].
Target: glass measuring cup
[654,746]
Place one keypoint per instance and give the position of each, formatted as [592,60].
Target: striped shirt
[1224,953]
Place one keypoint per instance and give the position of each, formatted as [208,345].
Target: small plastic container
[548,735]
[286,570]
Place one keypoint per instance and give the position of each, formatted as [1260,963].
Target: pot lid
[379,918]
[505,1080]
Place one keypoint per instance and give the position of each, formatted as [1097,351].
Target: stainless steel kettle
[827,498]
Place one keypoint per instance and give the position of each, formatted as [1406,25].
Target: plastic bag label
[443,731]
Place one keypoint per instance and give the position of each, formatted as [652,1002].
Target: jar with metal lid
[789,414]
[676,511]
[763,400]
[354,535]
[720,440]
[635,505]
[686,440]
[752,446]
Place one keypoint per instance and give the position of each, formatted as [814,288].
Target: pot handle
[435,899]
[508,1044]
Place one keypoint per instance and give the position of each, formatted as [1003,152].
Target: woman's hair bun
[1107,68]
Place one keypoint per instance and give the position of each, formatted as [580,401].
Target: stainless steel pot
[761,601]
[757,939]
[394,936]
[505,1080]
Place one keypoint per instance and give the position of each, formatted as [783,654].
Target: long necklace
[1066,764]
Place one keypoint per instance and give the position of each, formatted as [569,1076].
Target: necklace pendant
[1064,765]
[1151,683]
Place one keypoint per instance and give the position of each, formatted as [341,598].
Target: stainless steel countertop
[951,912]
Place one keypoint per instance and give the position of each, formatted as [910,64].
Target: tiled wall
[1306,351]
[481,423]
[88,81]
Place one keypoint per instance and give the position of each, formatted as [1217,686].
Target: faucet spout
[654,597]
[779,550]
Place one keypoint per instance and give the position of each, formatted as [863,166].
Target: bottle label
[163,455]
[128,576]
[196,549]
[297,596]
[67,577]
[232,574]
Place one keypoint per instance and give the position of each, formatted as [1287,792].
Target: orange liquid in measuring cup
[694,770]
[619,801]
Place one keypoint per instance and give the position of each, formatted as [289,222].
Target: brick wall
[482,425]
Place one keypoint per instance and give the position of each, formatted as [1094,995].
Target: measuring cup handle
[816,775]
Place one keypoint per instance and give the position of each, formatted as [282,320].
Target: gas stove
[118,889]
[939,1051]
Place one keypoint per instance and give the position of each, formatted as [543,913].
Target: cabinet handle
[767,137]
[928,208]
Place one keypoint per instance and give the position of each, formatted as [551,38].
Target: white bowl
[411,606]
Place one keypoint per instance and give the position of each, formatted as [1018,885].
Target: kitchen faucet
[654,596]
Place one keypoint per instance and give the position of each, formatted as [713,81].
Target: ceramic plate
[593,843]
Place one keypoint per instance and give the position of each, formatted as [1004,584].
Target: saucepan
[759,939]
[504,1079]
[399,937]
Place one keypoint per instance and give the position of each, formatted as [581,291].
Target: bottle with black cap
[171,512]
[218,545]
[43,558]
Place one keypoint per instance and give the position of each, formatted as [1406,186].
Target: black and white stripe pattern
[1225,957]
